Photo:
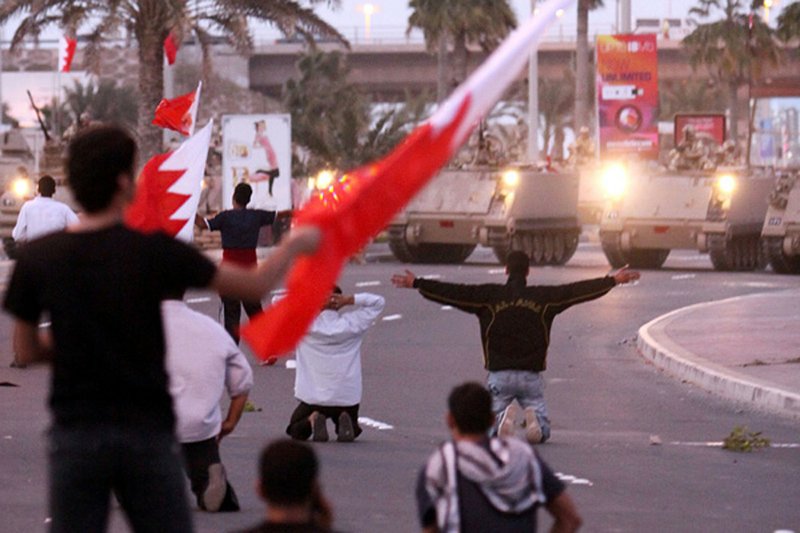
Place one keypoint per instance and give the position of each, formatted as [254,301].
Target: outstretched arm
[625,275]
[404,281]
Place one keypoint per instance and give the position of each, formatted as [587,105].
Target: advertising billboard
[627,95]
[257,149]
[710,125]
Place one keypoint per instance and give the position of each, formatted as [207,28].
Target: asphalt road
[607,406]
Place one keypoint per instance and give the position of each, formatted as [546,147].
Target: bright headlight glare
[510,178]
[325,179]
[726,184]
[21,187]
[615,180]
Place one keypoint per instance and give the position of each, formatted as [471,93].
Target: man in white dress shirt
[203,361]
[328,377]
[42,215]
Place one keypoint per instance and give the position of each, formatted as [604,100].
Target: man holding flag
[112,414]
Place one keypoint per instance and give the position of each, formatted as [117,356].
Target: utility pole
[533,100]
[625,16]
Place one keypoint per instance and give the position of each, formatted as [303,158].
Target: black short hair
[517,263]
[337,289]
[242,193]
[288,472]
[47,185]
[470,404]
[96,157]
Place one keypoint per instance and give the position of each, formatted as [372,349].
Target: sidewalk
[745,348]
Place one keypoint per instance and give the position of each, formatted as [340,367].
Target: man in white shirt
[42,215]
[328,377]
[203,362]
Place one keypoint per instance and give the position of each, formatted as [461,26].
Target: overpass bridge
[388,71]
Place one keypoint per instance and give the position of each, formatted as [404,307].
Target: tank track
[781,263]
[546,247]
[636,258]
[739,254]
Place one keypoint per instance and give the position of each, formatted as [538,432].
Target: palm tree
[461,22]
[789,22]
[150,21]
[556,105]
[333,123]
[688,96]
[734,49]
[582,88]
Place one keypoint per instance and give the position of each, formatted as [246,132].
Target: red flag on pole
[66,52]
[168,189]
[171,48]
[179,114]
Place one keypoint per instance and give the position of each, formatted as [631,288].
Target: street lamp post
[368,9]
[533,99]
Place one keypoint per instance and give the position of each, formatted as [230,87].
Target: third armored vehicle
[781,232]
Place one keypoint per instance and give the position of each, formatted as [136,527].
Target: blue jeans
[524,386]
[143,469]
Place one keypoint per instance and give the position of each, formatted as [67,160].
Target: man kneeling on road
[515,321]
[328,377]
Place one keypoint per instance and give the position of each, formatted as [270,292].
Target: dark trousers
[197,457]
[232,311]
[299,427]
[143,468]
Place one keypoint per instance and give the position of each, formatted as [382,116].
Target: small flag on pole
[179,114]
[171,46]
[66,52]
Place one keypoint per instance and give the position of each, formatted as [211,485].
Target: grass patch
[742,440]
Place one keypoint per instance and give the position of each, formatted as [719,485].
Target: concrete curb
[654,344]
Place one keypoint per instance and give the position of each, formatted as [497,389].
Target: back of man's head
[47,186]
[96,158]
[517,263]
[470,406]
[288,473]
[242,193]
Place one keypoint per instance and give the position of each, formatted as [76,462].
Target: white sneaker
[217,486]
[533,431]
[508,421]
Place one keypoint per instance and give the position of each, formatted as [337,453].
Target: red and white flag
[168,189]
[179,114]
[66,52]
[363,201]
[171,46]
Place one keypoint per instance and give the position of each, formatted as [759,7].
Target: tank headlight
[324,179]
[615,181]
[510,179]
[726,184]
[21,187]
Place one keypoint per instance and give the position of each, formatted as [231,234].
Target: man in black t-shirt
[478,483]
[239,228]
[101,285]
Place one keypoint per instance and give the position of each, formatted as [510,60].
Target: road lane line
[573,480]
[684,276]
[719,443]
[389,318]
[368,283]
[380,426]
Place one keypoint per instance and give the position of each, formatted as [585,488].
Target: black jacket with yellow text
[515,319]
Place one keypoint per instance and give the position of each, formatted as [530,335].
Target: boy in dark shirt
[101,285]
[239,228]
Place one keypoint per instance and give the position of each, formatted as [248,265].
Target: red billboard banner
[627,95]
[711,125]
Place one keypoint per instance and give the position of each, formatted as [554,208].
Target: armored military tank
[484,200]
[781,231]
[718,211]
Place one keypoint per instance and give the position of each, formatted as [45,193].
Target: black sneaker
[345,432]
[319,431]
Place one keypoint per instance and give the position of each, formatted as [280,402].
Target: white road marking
[755,284]
[389,318]
[368,284]
[198,300]
[291,364]
[447,307]
[381,426]
[719,443]
[573,480]
[684,276]
[497,271]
